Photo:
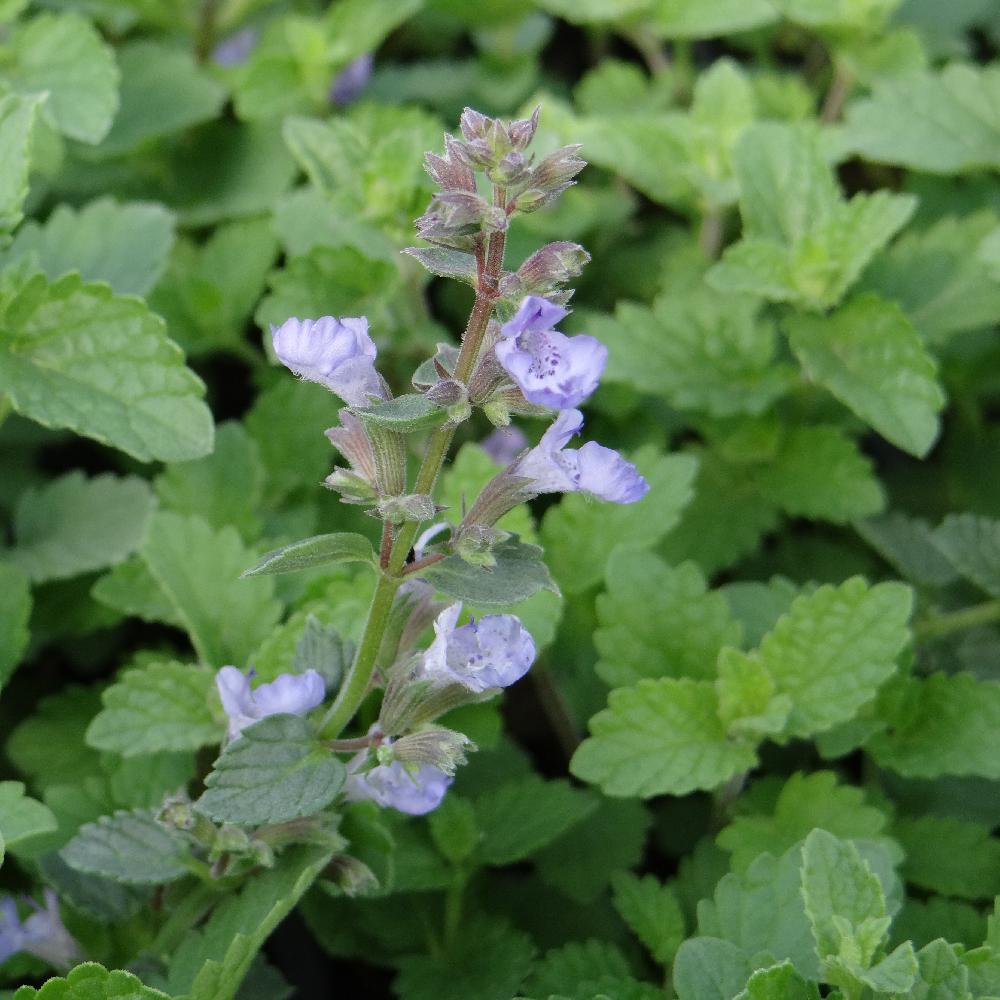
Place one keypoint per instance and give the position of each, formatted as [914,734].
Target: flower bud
[522,131]
[557,170]
[444,749]
[351,487]
[531,200]
[449,171]
[550,267]
[447,392]
[229,839]
[349,876]
[411,507]
[497,411]
[512,168]
[475,543]
[474,125]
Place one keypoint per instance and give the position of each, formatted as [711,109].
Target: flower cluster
[41,934]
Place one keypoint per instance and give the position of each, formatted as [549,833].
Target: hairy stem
[356,684]
[933,626]
[840,87]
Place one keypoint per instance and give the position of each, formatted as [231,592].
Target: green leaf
[939,122]
[596,11]
[159,706]
[806,802]
[581,862]
[941,724]
[75,355]
[652,911]
[17,121]
[405,414]
[446,263]
[162,91]
[761,912]
[63,56]
[709,969]
[199,571]
[21,817]
[129,847]
[819,472]
[869,356]
[276,770]
[658,737]
[125,245]
[943,287]
[702,352]
[212,960]
[519,572]
[91,981]
[843,898]
[15,610]
[677,634]
[131,589]
[575,967]
[320,550]
[923,921]
[909,545]
[972,545]
[521,817]
[488,961]
[779,982]
[749,704]
[942,975]
[577,566]
[696,19]
[74,525]
[950,856]
[834,648]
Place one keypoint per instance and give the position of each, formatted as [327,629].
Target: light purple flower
[593,469]
[504,444]
[394,786]
[550,368]
[494,652]
[287,694]
[336,353]
[351,80]
[42,934]
[236,49]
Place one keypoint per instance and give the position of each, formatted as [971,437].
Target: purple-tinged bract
[549,368]
[287,694]
[494,652]
[336,353]
[394,786]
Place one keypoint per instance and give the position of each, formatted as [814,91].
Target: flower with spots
[548,367]
[492,653]
[336,353]
[287,694]
[413,790]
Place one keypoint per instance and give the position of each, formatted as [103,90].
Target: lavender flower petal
[552,369]
[605,474]
[336,353]
[504,444]
[392,786]
[534,315]
[11,931]
[236,49]
[287,694]
[42,934]
[351,80]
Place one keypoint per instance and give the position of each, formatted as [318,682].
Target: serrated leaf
[923,921]
[709,969]
[518,574]
[320,550]
[159,706]
[942,975]
[761,912]
[575,966]
[488,961]
[677,634]
[869,356]
[75,355]
[581,862]
[657,737]
[446,263]
[834,648]
[74,525]
[17,121]
[943,287]
[577,566]
[15,610]
[818,472]
[950,856]
[90,981]
[21,817]
[163,90]
[199,571]
[523,816]
[908,544]
[131,589]
[941,724]
[128,847]
[276,770]
[653,912]
[63,56]
[940,122]
[972,545]
[842,896]
[749,705]
[102,899]
[124,244]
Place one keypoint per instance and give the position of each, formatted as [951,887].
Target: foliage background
[792,209]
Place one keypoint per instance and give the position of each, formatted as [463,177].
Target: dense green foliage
[759,754]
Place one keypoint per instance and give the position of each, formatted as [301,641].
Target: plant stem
[185,915]
[710,233]
[453,906]
[356,684]
[936,625]
[840,87]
